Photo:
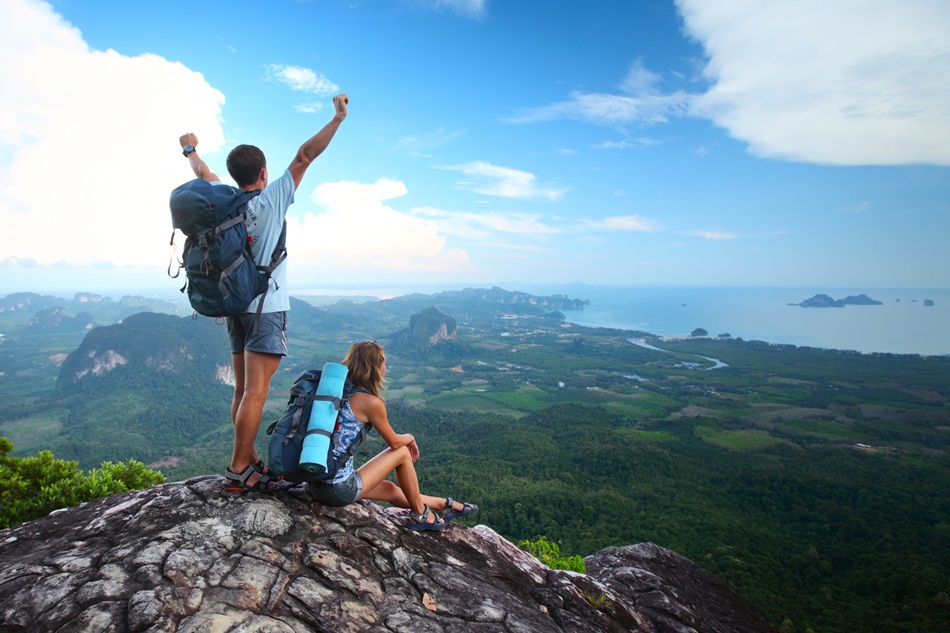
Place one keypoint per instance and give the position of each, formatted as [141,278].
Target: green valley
[815,482]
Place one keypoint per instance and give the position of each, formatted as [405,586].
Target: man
[255,355]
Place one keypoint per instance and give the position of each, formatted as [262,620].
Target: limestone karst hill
[189,557]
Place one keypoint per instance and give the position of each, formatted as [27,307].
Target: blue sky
[688,142]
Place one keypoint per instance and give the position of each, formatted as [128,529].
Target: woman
[366,362]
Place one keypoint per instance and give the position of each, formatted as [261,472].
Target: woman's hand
[412,446]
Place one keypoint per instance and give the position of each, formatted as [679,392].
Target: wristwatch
[187,150]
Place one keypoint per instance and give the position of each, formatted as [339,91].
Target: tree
[32,487]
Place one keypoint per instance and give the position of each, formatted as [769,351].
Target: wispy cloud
[429,140]
[482,225]
[714,235]
[641,102]
[475,9]
[861,207]
[505,182]
[627,144]
[623,223]
[300,79]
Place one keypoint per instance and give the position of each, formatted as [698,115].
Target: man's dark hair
[245,163]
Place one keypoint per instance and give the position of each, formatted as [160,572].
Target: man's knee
[258,371]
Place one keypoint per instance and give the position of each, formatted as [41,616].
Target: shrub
[32,487]
[549,553]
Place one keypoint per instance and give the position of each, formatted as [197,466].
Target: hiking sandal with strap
[235,482]
[418,521]
[450,512]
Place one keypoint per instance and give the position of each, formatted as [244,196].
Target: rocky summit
[189,557]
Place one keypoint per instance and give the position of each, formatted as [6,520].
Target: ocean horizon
[903,324]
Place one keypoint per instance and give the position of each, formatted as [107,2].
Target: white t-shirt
[265,220]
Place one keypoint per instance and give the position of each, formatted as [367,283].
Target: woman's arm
[372,409]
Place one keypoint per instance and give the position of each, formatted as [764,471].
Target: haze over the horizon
[686,142]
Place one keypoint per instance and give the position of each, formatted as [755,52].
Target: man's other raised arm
[315,145]
[189,144]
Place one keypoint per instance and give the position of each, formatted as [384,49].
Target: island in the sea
[824,301]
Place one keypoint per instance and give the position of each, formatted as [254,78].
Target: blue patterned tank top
[344,437]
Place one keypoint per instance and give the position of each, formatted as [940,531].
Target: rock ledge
[188,557]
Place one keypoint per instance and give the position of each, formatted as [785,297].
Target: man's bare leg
[247,408]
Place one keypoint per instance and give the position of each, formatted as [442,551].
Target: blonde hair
[363,360]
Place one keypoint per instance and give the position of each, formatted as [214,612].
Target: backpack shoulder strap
[243,197]
[348,390]
[280,251]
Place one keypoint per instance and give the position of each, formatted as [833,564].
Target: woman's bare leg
[375,471]
[391,493]
[377,488]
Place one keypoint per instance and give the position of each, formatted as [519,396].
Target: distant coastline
[904,321]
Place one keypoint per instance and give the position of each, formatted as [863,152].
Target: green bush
[32,487]
[549,553]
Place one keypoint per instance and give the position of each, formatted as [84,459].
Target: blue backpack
[222,277]
[288,432]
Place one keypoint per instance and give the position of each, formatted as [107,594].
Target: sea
[903,324]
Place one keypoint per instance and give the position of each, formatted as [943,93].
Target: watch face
[187,149]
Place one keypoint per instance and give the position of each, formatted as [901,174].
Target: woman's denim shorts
[341,494]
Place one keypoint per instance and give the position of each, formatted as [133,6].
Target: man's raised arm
[189,143]
[315,145]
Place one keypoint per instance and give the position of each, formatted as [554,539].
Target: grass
[824,428]
[32,434]
[657,437]
[522,400]
[465,401]
[740,441]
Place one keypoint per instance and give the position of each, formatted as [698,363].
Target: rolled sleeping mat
[316,443]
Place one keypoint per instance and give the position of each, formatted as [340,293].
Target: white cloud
[301,79]
[505,182]
[357,234]
[89,144]
[624,223]
[716,236]
[850,82]
[642,103]
[642,141]
[845,82]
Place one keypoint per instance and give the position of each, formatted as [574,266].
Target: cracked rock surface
[189,557]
